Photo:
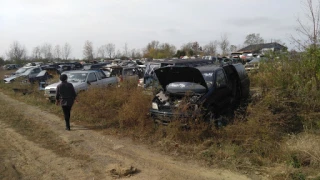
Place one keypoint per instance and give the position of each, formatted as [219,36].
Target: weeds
[280,125]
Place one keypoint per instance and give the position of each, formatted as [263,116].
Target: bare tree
[196,48]
[191,48]
[118,55]
[138,54]
[88,50]
[107,50]
[16,52]
[224,44]
[152,45]
[101,51]
[110,50]
[308,37]
[57,52]
[36,53]
[253,38]
[66,51]
[233,48]
[46,50]
[308,29]
[133,53]
[2,61]
[211,48]
[126,50]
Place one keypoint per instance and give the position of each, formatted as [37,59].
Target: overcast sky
[137,22]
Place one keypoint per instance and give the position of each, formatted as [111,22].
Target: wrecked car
[29,73]
[208,91]
[150,78]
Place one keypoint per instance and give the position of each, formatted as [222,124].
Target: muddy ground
[43,149]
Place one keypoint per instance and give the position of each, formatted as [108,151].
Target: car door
[34,72]
[130,74]
[92,79]
[221,96]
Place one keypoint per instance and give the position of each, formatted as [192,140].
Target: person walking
[65,96]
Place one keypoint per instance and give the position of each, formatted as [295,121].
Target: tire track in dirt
[104,152]
[29,161]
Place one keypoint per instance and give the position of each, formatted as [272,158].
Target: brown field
[275,137]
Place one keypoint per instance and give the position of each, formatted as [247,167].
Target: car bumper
[165,117]
[50,97]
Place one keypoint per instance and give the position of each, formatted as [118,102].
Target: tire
[216,120]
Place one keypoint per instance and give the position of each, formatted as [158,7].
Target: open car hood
[167,75]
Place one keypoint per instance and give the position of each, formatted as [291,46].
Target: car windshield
[76,77]
[255,60]
[21,70]
[27,72]
[107,72]
[207,76]
[150,68]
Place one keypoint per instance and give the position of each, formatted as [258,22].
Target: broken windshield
[77,77]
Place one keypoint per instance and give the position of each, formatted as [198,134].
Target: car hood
[8,79]
[167,75]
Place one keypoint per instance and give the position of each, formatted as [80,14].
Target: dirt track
[88,154]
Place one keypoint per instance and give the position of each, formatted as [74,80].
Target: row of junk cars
[209,89]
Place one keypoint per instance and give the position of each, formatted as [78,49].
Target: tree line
[153,50]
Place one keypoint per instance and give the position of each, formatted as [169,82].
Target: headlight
[155,106]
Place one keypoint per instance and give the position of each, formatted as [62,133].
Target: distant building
[261,48]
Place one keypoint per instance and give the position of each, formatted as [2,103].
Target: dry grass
[306,148]
[285,104]
[124,108]
[34,131]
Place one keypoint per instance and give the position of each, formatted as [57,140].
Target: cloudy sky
[137,22]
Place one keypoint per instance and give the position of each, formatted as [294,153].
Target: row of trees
[108,51]
[48,52]
[154,49]
[18,52]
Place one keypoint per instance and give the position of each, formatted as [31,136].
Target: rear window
[116,72]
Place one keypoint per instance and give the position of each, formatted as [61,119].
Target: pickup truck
[82,80]
[209,91]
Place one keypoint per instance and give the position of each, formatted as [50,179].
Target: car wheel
[216,120]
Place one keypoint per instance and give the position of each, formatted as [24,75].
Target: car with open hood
[150,78]
[209,91]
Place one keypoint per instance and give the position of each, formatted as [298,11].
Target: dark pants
[66,112]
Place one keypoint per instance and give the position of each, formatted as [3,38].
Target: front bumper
[50,97]
[165,116]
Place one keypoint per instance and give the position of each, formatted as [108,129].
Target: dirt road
[44,150]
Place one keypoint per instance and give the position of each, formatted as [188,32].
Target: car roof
[82,71]
[123,67]
[208,67]
[28,67]
[178,61]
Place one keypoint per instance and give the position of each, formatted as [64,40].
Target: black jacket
[66,94]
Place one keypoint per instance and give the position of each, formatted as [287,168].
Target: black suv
[209,91]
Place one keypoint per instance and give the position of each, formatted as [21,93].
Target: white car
[29,72]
